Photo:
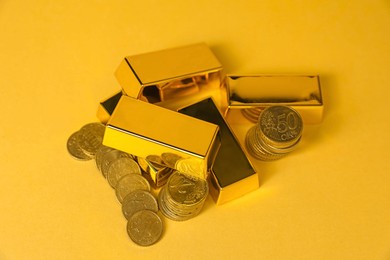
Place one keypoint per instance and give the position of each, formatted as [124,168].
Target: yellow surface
[330,199]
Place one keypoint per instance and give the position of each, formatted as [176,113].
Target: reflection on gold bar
[232,174]
[106,107]
[157,174]
[142,129]
[251,94]
[182,75]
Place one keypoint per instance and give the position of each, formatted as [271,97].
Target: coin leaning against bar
[91,136]
[156,161]
[145,227]
[154,158]
[121,167]
[138,200]
[74,148]
[170,159]
[130,183]
[191,166]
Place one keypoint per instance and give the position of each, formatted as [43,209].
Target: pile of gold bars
[178,101]
[173,114]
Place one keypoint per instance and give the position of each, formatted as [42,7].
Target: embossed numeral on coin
[286,123]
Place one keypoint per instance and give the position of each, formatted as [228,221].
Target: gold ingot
[232,174]
[143,129]
[250,94]
[174,77]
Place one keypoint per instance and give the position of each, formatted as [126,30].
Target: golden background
[330,199]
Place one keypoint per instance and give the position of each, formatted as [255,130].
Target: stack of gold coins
[252,114]
[276,133]
[183,196]
[139,206]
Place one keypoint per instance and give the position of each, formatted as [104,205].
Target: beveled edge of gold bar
[312,113]
[107,107]
[127,79]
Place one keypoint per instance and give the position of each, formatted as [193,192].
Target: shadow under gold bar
[232,174]
[181,75]
[249,94]
[143,129]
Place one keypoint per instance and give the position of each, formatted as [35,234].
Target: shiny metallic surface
[138,200]
[152,130]
[130,183]
[277,133]
[183,196]
[188,74]
[145,228]
[252,93]
[90,138]
[232,174]
[121,167]
[74,149]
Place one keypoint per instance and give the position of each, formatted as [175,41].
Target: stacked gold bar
[143,129]
[179,102]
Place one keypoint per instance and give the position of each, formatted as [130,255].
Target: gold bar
[180,76]
[232,174]
[107,106]
[142,129]
[249,94]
